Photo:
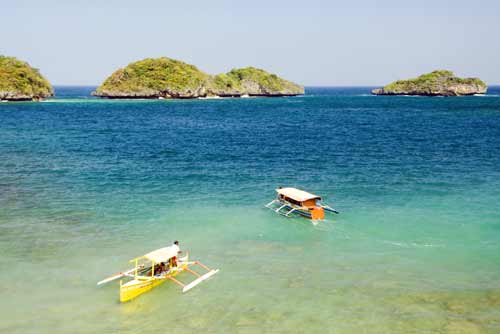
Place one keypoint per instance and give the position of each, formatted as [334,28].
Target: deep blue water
[417,181]
[332,139]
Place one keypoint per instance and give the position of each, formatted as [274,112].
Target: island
[436,83]
[166,78]
[21,82]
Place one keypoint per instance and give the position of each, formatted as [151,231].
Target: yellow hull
[140,285]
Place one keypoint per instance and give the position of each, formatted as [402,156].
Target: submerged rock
[170,78]
[458,326]
[437,83]
[21,82]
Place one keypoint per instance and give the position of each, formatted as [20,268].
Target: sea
[87,184]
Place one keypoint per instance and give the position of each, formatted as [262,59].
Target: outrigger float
[148,273]
[292,200]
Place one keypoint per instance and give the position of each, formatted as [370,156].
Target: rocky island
[437,83]
[173,79]
[21,82]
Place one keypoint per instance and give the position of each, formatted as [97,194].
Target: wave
[412,244]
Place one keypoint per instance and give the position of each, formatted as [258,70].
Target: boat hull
[136,287]
[313,213]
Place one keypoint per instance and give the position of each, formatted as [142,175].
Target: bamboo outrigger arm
[281,207]
[116,276]
[268,205]
[201,278]
[176,281]
[329,208]
[289,212]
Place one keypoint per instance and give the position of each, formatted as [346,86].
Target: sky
[313,42]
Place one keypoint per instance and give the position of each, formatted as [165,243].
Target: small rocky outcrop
[437,83]
[154,78]
[252,81]
[21,82]
[174,79]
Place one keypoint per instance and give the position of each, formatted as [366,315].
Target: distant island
[173,79]
[437,83]
[21,82]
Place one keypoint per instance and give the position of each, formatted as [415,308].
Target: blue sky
[312,42]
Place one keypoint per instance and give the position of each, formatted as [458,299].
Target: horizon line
[305,86]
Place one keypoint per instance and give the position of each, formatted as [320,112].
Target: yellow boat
[150,271]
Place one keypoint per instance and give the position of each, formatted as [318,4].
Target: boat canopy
[296,194]
[162,254]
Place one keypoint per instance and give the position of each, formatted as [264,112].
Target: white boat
[293,200]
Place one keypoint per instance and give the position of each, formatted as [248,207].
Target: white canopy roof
[296,194]
[162,254]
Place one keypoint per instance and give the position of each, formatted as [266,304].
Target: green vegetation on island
[153,78]
[436,83]
[254,81]
[223,82]
[169,78]
[21,82]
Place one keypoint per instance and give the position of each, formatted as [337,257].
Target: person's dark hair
[176,242]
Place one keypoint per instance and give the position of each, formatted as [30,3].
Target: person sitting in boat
[160,268]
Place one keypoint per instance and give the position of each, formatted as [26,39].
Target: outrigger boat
[147,273]
[292,200]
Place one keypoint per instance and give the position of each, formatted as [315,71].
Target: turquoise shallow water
[87,184]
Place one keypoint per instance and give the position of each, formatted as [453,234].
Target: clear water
[87,184]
